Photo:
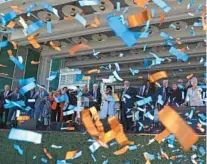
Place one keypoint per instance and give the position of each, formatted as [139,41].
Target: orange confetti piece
[176,125]
[23,118]
[16,9]
[178,42]
[122,150]
[68,18]
[96,23]
[189,76]
[14,44]
[116,97]
[10,53]
[140,18]
[162,18]
[203,18]
[157,76]
[86,78]
[35,62]
[199,127]
[55,46]
[78,47]
[70,154]
[173,157]
[89,125]
[146,158]
[141,3]
[1,65]
[33,41]
[49,156]
[71,128]
[11,24]
[159,137]
[108,136]
[94,71]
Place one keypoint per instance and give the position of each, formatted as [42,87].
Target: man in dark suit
[95,97]
[6,94]
[128,99]
[164,91]
[15,96]
[30,102]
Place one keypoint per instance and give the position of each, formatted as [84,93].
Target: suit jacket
[2,100]
[175,97]
[168,93]
[28,96]
[98,95]
[129,103]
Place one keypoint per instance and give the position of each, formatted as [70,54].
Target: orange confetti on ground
[157,76]
[78,47]
[159,137]
[139,18]
[47,154]
[176,125]
[70,154]
[122,150]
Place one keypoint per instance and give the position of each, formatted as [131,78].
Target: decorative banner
[176,125]
[55,46]
[139,18]
[78,47]
[157,76]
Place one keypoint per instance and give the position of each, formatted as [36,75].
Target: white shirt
[194,97]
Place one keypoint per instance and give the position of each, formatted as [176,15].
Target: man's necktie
[164,94]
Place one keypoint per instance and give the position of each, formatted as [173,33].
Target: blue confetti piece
[202,116]
[49,26]
[179,55]
[23,82]
[89,3]
[79,94]
[191,3]
[147,26]
[7,31]
[34,27]
[105,162]
[179,1]
[30,7]
[3,44]
[197,24]
[162,5]
[20,151]
[199,8]
[134,71]
[27,88]
[144,101]
[192,32]
[52,76]
[128,37]
[94,159]
[145,47]
[8,17]
[50,9]
[132,147]
[113,143]
[78,77]
[62,162]
[80,19]
[34,157]
[61,98]
[44,160]
[165,35]
[194,148]
[146,64]
[169,42]
[173,26]
[17,62]
[118,6]
[10,104]
[150,156]
[202,151]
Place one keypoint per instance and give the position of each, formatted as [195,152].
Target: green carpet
[78,141]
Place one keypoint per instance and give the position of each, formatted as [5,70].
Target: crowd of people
[50,107]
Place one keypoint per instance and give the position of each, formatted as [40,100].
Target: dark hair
[65,87]
[109,87]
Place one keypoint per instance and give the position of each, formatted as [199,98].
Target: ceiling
[67,33]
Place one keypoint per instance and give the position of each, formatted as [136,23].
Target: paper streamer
[19,150]
[3,44]
[25,135]
[157,76]
[70,154]
[27,88]
[16,9]
[122,150]
[117,76]
[134,71]
[11,24]
[30,7]
[78,47]
[33,41]
[6,18]
[26,81]
[176,125]
[55,46]
[118,6]
[49,156]
[15,60]
[80,19]
[139,19]
[93,71]
[162,5]
[89,3]
[50,9]
[34,27]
